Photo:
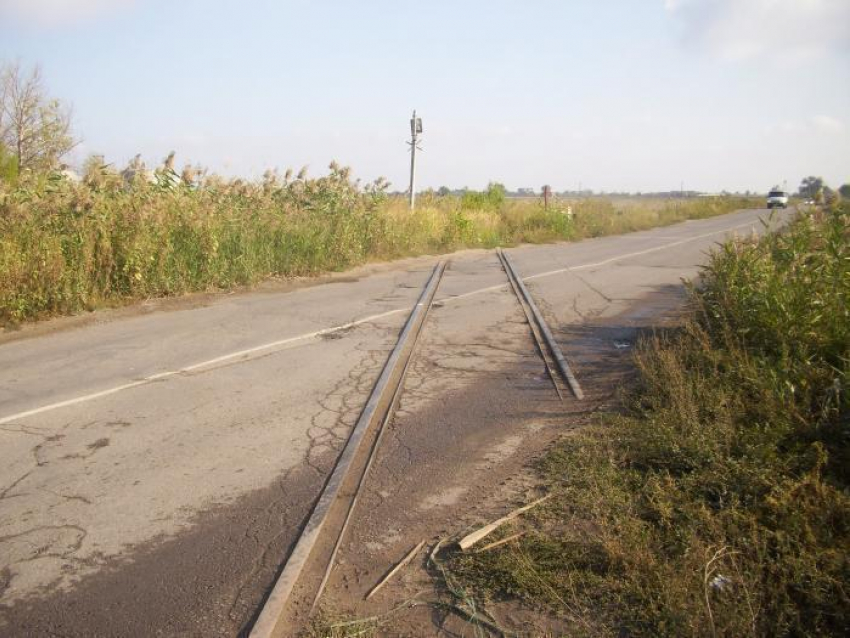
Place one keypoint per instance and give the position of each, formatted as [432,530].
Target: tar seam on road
[274,607]
[560,360]
[318,333]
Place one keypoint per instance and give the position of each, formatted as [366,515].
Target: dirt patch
[98,444]
[446,498]
[464,461]
[445,469]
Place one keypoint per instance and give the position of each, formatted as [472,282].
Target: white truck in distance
[777,199]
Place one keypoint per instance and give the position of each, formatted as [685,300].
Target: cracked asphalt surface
[156,468]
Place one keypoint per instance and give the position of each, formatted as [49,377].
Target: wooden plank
[471,539]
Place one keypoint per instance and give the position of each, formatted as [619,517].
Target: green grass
[717,504]
[66,248]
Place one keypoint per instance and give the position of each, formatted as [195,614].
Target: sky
[612,95]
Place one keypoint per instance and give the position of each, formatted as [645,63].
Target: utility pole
[415,132]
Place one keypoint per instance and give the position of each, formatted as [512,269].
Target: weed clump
[67,247]
[718,503]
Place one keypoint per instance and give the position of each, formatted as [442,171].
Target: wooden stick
[501,542]
[468,541]
[404,561]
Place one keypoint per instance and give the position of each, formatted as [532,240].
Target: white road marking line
[197,366]
[560,271]
[474,292]
[312,335]
[636,254]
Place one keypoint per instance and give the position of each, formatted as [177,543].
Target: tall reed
[68,247]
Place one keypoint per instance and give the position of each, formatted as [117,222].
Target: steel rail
[535,332]
[373,453]
[274,607]
[560,360]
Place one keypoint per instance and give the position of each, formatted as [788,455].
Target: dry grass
[718,503]
[325,626]
[66,248]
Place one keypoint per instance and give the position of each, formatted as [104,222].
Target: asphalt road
[156,459]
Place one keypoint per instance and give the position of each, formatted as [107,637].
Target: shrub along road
[155,468]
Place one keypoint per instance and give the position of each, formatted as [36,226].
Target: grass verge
[717,503]
[67,247]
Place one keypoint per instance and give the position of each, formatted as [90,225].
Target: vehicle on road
[777,199]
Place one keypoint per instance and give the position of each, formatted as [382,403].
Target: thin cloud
[51,13]
[821,124]
[827,124]
[787,30]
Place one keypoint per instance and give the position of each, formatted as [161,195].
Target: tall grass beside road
[718,504]
[68,247]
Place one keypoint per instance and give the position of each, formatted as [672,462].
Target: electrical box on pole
[415,132]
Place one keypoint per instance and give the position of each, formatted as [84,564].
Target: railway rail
[325,528]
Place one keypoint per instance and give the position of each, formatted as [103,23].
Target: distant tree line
[811,188]
[814,189]
[445,191]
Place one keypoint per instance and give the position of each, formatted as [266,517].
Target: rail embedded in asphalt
[378,408]
[525,298]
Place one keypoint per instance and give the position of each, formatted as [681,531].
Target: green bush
[492,199]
